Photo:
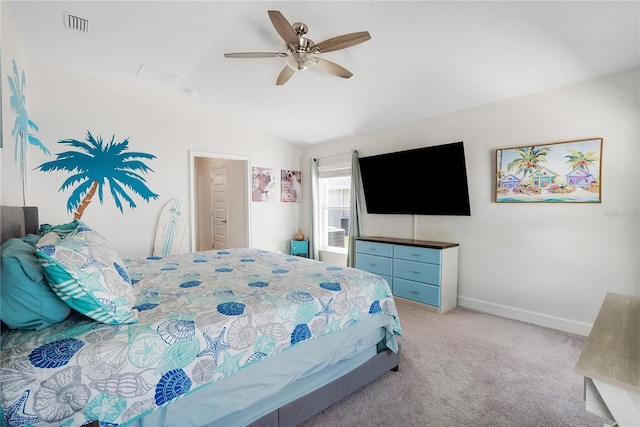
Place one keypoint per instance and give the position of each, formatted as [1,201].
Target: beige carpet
[466,368]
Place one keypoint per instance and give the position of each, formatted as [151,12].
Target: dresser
[610,361]
[418,270]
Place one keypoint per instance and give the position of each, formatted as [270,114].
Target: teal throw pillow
[63,230]
[31,239]
[89,275]
[26,300]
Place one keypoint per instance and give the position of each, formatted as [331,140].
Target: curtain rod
[335,155]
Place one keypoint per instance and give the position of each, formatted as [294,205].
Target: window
[335,200]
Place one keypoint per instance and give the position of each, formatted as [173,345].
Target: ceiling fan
[301,52]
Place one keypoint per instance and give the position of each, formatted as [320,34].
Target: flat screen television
[423,181]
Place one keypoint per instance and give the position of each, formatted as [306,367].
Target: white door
[219,206]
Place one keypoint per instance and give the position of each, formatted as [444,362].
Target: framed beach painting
[562,172]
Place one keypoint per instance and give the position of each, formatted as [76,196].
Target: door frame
[192,190]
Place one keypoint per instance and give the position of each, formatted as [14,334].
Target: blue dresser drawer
[413,253]
[374,264]
[417,271]
[374,248]
[420,292]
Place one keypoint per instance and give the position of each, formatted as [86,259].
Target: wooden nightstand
[299,248]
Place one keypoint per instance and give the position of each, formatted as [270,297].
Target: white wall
[161,122]
[549,264]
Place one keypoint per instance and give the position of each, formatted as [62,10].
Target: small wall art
[291,186]
[264,185]
[564,172]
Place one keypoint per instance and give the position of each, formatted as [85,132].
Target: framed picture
[291,183]
[263,187]
[563,172]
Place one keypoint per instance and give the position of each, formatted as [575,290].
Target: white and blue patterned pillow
[89,275]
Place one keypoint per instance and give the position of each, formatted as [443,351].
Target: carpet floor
[467,368]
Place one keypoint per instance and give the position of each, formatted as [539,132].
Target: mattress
[218,332]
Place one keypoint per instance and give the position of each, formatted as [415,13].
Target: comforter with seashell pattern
[202,317]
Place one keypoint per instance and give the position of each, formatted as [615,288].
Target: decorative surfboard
[172,225]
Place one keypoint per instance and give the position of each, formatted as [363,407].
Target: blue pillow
[63,230]
[26,300]
[31,239]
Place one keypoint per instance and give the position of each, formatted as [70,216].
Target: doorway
[216,178]
[219,206]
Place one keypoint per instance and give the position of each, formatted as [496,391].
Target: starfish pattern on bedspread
[215,346]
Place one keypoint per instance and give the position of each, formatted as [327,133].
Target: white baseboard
[539,319]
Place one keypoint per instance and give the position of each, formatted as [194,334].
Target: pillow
[31,239]
[85,271]
[51,238]
[63,230]
[26,300]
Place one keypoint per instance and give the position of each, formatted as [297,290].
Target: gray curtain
[354,211]
[314,250]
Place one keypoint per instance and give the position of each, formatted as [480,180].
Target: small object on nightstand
[300,248]
[298,235]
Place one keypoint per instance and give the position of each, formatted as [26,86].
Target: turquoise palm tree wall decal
[97,164]
[23,125]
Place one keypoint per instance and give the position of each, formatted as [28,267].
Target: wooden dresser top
[409,242]
[612,351]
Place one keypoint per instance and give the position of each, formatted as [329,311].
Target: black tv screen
[423,181]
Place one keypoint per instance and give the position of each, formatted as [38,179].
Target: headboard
[18,221]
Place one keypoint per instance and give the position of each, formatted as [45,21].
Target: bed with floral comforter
[201,318]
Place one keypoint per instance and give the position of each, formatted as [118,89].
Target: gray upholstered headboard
[17,221]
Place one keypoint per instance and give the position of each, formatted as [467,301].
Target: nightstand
[300,248]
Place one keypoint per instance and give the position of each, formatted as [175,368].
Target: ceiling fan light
[301,60]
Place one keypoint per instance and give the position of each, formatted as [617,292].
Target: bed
[217,338]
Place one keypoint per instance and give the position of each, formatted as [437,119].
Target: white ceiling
[424,58]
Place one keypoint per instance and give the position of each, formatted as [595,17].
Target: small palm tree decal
[22,125]
[96,165]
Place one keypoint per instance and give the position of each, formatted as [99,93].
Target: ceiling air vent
[156,75]
[74,22]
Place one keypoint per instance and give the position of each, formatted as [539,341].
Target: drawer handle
[415,254]
[415,292]
[415,272]
[372,265]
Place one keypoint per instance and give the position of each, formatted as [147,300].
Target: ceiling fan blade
[333,68]
[283,27]
[255,55]
[342,42]
[285,75]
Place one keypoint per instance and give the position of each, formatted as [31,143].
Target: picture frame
[561,172]
[291,186]
[264,185]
